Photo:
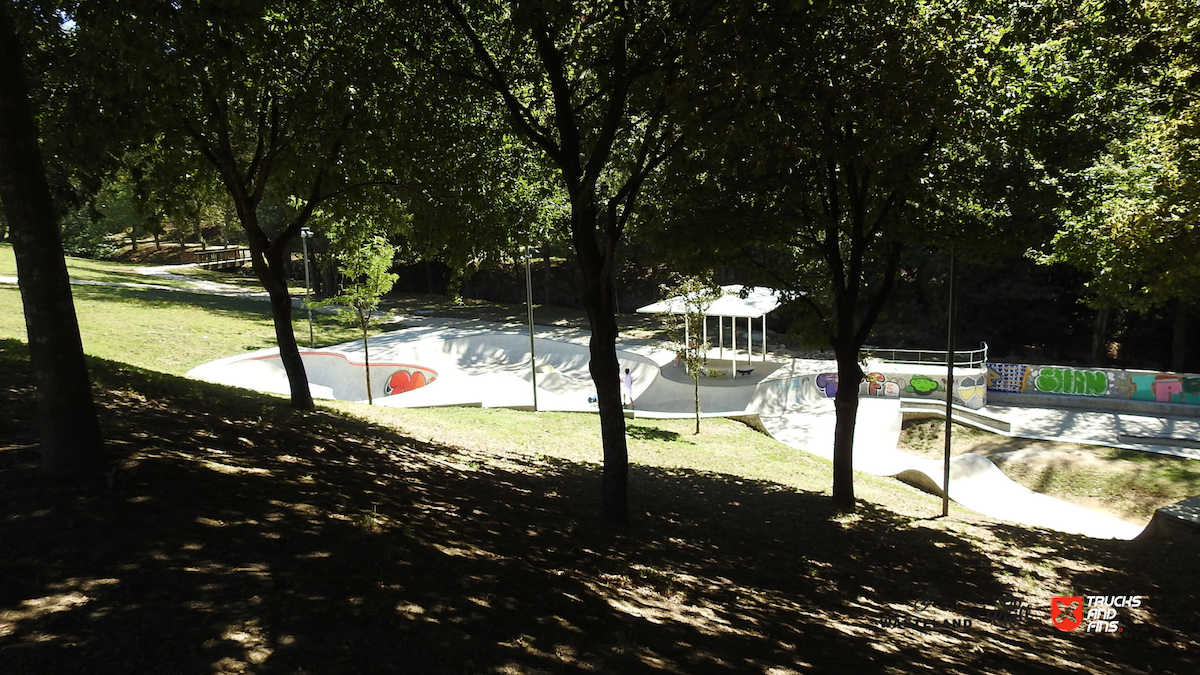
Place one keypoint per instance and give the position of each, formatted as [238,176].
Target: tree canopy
[590,88]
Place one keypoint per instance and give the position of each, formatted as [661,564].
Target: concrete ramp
[795,412]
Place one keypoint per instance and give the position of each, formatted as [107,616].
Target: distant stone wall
[1126,385]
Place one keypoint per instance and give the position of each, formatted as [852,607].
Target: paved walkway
[1179,436]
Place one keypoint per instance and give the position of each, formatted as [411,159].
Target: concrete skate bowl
[331,375]
[438,368]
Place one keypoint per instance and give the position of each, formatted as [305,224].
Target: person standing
[627,389]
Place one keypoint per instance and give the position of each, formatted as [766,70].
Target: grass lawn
[166,331]
[170,331]
[238,536]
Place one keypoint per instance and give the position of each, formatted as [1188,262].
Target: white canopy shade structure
[756,305]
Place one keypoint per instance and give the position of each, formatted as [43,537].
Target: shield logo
[1066,612]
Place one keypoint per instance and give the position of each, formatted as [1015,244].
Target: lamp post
[950,319]
[529,302]
[305,234]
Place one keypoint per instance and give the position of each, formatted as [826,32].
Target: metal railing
[974,358]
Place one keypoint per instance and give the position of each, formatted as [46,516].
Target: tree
[1130,217]
[365,262]
[589,87]
[819,182]
[70,433]
[290,105]
[694,296]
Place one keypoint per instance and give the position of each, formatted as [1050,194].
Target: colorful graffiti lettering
[1107,383]
[923,385]
[828,382]
[1071,381]
[877,384]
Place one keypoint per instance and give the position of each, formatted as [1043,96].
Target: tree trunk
[289,351]
[1099,333]
[606,372]
[269,266]
[70,433]
[1179,336]
[366,357]
[845,404]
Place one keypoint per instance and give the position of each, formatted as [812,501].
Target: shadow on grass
[240,307]
[652,434]
[239,536]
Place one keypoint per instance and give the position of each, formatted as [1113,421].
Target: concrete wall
[893,380]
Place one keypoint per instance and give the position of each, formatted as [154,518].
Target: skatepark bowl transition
[445,363]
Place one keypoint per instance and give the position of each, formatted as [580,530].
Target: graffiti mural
[1166,388]
[1094,382]
[923,385]
[877,384]
[1006,377]
[407,379]
[828,382]
[972,390]
[874,383]
[1071,381]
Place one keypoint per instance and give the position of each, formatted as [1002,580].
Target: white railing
[974,358]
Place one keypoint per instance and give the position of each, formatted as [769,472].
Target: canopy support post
[764,338]
[733,349]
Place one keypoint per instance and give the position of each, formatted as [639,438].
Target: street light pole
[529,301]
[305,233]
[950,318]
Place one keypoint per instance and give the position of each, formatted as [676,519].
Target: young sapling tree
[365,265]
